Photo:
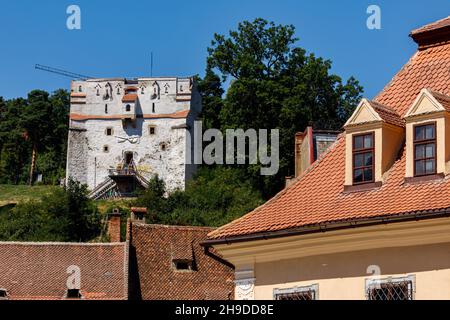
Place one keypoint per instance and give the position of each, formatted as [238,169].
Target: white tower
[122,132]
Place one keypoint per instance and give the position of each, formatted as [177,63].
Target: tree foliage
[39,125]
[215,197]
[65,215]
[274,85]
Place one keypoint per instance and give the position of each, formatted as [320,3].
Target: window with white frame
[297,293]
[390,288]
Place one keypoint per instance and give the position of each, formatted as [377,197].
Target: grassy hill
[11,194]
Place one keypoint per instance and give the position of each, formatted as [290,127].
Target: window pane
[368,158]
[359,160]
[359,142]
[420,151]
[419,133]
[420,167]
[429,150]
[358,175]
[429,166]
[368,174]
[429,132]
[368,141]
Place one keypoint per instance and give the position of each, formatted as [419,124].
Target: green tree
[276,85]
[36,123]
[64,215]
[214,197]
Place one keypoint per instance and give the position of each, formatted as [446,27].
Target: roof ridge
[431,24]
[161,226]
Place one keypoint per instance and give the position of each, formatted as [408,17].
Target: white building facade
[123,132]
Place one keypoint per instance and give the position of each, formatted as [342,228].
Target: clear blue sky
[117,36]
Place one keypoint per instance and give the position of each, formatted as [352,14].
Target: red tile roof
[131,97]
[318,195]
[38,271]
[387,114]
[443,99]
[445,22]
[176,115]
[153,249]
[436,33]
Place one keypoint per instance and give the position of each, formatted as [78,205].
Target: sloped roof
[443,99]
[153,250]
[445,22]
[130,97]
[318,195]
[38,271]
[387,114]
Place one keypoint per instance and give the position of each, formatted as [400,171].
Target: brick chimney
[309,145]
[304,150]
[114,226]
[138,214]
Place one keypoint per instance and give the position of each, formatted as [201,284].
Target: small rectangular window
[182,265]
[152,130]
[3,294]
[73,294]
[363,158]
[109,131]
[298,293]
[425,149]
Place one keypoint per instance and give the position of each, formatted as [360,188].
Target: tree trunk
[33,164]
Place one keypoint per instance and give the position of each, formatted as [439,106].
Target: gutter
[334,226]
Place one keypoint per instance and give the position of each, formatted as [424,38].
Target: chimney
[114,226]
[304,150]
[138,214]
[309,145]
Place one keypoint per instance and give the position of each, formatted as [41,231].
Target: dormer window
[374,135]
[182,265]
[363,154]
[427,137]
[425,149]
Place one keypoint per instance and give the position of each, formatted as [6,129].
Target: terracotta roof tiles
[38,271]
[154,249]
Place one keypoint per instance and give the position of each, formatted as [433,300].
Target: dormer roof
[429,101]
[371,111]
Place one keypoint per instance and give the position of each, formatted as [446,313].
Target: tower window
[106,108]
[109,131]
[363,153]
[80,89]
[128,108]
[152,130]
[106,149]
[425,149]
[153,107]
[163,147]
